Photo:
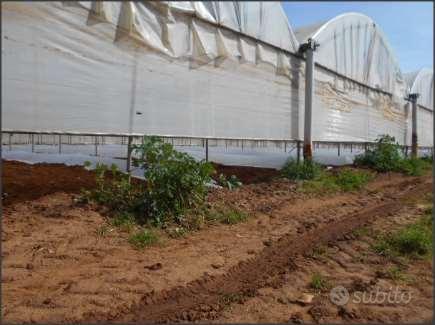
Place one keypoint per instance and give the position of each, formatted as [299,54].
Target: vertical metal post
[206,149]
[10,141]
[338,149]
[298,151]
[414,143]
[130,140]
[309,49]
[33,142]
[96,146]
[60,144]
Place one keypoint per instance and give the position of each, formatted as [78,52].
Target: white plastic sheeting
[169,68]
[422,83]
[353,45]
[64,71]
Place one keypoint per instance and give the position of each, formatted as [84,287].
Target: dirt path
[63,262]
[353,264]
[206,297]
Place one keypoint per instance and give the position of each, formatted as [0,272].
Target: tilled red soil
[64,262]
[204,298]
[23,182]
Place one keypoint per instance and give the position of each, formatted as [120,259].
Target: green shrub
[306,170]
[386,155]
[143,238]
[175,182]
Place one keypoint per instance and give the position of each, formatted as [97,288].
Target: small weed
[230,298]
[143,238]
[319,251]
[318,282]
[103,231]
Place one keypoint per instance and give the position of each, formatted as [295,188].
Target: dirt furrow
[206,297]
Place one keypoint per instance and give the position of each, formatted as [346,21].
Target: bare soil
[63,262]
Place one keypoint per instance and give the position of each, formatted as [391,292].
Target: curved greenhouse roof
[160,23]
[421,82]
[353,45]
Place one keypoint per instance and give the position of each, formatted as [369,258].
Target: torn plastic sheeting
[204,41]
[228,45]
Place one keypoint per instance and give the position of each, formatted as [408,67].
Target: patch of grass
[361,232]
[413,241]
[345,180]
[143,238]
[318,282]
[319,251]
[395,273]
[124,220]
[351,180]
[415,166]
[226,215]
[306,170]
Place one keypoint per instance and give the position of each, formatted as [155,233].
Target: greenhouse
[202,70]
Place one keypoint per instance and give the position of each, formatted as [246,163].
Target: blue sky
[407,25]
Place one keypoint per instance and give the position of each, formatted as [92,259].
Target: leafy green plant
[175,182]
[387,156]
[231,183]
[306,170]
[143,238]
[384,157]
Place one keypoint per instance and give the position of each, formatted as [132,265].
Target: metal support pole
[414,144]
[298,151]
[338,149]
[96,146]
[33,142]
[10,141]
[309,49]
[206,149]
[130,140]
[60,144]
